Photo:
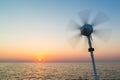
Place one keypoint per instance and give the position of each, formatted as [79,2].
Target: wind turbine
[87,29]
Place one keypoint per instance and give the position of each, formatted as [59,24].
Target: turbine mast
[96,77]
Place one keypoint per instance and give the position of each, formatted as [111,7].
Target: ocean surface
[58,71]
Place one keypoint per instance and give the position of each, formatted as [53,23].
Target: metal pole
[96,77]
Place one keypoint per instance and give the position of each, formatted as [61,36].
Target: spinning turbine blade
[74,26]
[84,46]
[99,19]
[75,39]
[103,34]
[84,16]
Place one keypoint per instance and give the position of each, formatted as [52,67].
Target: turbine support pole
[96,77]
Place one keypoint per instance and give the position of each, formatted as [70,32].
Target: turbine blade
[84,16]
[85,43]
[103,34]
[74,26]
[99,19]
[93,42]
[75,40]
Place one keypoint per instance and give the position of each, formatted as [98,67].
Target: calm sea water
[58,71]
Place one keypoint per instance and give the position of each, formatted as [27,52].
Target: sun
[39,60]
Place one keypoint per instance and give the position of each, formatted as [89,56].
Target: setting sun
[39,60]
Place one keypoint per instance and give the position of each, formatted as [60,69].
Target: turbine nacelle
[86,29]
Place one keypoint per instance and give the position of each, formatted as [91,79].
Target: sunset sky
[37,30]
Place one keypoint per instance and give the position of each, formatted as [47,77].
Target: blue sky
[39,23]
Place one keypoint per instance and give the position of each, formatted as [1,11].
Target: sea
[59,71]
